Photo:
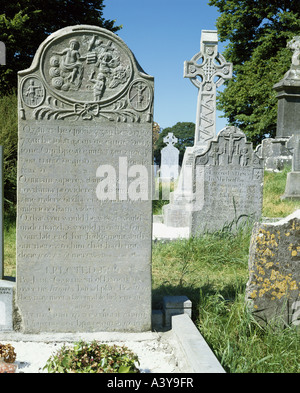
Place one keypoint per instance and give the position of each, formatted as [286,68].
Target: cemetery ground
[212,271]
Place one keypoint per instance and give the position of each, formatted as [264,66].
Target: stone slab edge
[198,354]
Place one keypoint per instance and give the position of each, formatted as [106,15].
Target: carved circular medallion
[86,67]
[139,95]
[33,92]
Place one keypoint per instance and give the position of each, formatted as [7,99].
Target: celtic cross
[207,70]
[170,139]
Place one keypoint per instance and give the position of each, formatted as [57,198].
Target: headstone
[275,150]
[169,158]
[288,94]
[274,272]
[228,183]
[6,305]
[84,215]
[207,70]
[292,188]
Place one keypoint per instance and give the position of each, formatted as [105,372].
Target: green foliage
[257,32]
[9,141]
[184,132]
[26,23]
[92,358]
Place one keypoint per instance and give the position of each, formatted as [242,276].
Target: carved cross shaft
[207,70]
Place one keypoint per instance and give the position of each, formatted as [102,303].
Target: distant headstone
[228,183]
[288,94]
[273,288]
[207,70]
[275,151]
[169,158]
[292,189]
[6,305]
[84,215]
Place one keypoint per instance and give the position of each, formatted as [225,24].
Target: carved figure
[99,85]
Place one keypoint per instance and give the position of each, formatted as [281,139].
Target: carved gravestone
[84,216]
[207,70]
[228,183]
[169,158]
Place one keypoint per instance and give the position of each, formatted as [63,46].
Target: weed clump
[93,358]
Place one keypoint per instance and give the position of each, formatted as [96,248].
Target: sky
[162,34]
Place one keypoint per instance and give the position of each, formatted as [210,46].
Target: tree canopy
[24,24]
[257,32]
[184,132]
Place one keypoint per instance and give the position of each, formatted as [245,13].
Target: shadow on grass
[229,292]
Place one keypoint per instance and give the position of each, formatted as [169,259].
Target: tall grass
[212,270]
[274,187]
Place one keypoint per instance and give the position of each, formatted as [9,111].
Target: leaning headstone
[169,169]
[273,288]
[228,182]
[207,70]
[292,188]
[84,215]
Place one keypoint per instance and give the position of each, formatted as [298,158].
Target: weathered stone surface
[84,210]
[275,154]
[292,188]
[288,94]
[274,271]
[228,183]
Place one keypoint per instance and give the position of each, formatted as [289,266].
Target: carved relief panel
[86,73]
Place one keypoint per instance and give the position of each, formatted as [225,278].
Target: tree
[258,32]
[184,132]
[26,23]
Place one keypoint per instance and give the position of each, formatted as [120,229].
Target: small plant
[7,352]
[92,358]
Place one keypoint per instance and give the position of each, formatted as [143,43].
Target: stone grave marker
[207,70]
[292,188]
[275,151]
[169,158]
[84,170]
[274,272]
[228,183]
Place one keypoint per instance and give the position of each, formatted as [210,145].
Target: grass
[212,270]
[274,187]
